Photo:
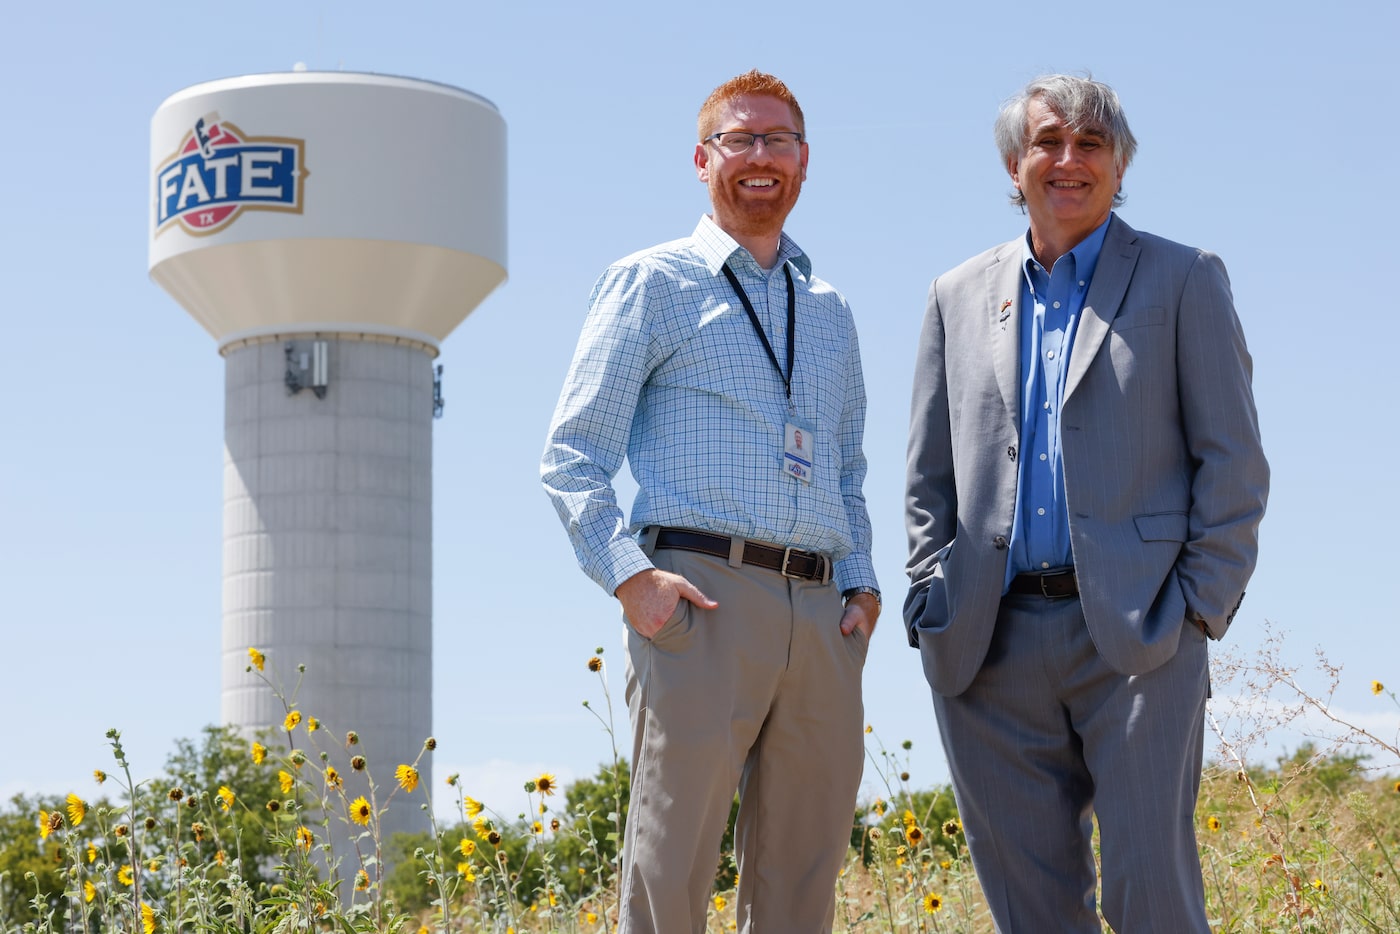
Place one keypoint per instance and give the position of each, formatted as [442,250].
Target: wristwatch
[846,596]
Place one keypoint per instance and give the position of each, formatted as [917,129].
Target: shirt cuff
[624,559]
[855,570]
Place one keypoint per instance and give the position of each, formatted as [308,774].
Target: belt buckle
[1055,576]
[787,557]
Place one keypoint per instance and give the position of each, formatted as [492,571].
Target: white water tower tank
[330,230]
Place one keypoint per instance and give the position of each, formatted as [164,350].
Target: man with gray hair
[1085,486]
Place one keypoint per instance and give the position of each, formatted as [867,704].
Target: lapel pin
[1004,313]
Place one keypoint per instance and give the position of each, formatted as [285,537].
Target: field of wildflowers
[241,835]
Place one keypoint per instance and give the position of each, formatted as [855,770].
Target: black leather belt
[789,562]
[1051,585]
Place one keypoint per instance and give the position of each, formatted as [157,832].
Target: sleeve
[592,423]
[931,501]
[1230,486]
[856,569]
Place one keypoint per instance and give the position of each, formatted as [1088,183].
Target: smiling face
[753,192]
[1068,176]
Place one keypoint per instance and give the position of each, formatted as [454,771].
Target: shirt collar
[716,247]
[1085,252]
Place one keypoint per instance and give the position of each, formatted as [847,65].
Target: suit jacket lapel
[1004,325]
[1117,260]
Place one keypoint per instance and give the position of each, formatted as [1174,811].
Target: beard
[753,217]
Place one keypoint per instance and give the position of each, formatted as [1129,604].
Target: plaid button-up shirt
[670,374]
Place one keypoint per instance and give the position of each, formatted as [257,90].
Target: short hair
[755,83]
[1082,103]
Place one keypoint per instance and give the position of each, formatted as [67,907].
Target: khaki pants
[762,694]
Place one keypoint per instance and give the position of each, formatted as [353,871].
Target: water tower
[330,230]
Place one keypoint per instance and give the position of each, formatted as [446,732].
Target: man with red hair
[729,377]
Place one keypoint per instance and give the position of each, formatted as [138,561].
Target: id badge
[799,444]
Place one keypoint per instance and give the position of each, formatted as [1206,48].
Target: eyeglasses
[781,143]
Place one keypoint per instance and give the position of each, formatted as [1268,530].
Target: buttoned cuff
[855,570]
[624,559]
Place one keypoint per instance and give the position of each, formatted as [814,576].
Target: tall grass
[243,841]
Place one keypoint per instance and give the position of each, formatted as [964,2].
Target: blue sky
[1264,134]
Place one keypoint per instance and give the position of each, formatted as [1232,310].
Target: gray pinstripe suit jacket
[1165,477]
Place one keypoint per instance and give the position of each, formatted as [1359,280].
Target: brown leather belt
[789,562]
[1052,585]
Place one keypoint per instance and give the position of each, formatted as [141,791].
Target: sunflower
[257,658]
[545,784]
[407,777]
[720,903]
[226,799]
[1213,824]
[285,781]
[92,852]
[77,810]
[933,902]
[89,891]
[1377,687]
[304,839]
[952,827]
[290,721]
[124,875]
[148,919]
[312,724]
[333,779]
[361,881]
[360,811]
[99,776]
[474,807]
[468,847]
[595,664]
[259,753]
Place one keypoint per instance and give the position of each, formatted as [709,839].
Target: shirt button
[1046,405]
[1057,304]
[1044,564]
[1081,283]
[1051,354]
[1040,511]
[1042,457]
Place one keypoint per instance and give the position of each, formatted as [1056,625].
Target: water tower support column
[328,540]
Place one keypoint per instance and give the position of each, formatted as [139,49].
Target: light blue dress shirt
[1051,303]
[670,375]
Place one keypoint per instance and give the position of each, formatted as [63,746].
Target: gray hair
[1082,103]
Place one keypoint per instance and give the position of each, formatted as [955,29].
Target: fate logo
[218,172]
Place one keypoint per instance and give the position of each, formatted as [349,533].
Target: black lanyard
[791,324]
